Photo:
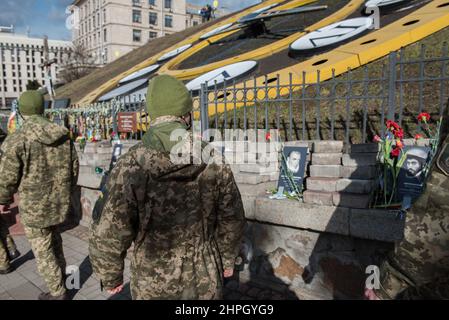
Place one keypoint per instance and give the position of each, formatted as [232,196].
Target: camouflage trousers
[7,245]
[46,245]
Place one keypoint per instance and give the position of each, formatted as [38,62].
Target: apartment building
[20,60]
[109,29]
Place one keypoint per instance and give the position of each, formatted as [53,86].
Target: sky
[48,17]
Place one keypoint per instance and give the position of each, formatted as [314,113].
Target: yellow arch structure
[109,85]
[409,29]
[169,67]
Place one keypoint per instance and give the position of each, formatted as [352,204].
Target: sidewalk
[26,284]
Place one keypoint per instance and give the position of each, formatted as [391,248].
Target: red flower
[393,126]
[377,138]
[399,133]
[423,117]
[399,144]
[267,136]
[418,136]
[395,152]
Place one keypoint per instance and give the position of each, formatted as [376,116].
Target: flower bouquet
[392,156]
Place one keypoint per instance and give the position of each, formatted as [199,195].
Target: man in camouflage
[185,220]
[419,266]
[40,162]
[8,249]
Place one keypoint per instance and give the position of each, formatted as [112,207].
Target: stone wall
[316,249]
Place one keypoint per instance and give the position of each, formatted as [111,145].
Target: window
[153,18]
[136,3]
[104,15]
[137,35]
[153,34]
[195,23]
[168,21]
[152,2]
[105,36]
[137,17]
[167,4]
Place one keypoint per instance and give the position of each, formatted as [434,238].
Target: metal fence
[351,107]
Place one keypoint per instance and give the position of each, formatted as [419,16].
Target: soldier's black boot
[7,270]
[14,254]
[48,296]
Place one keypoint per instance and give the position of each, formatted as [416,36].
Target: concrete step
[355,186]
[321,184]
[360,159]
[351,200]
[328,146]
[318,197]
[325,171]
[358,172]
[327,158]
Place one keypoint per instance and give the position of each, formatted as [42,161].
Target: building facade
[109,29]
[20,60]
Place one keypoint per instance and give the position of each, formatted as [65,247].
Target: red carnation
[393,126]
[418,136]
[399,133]
[267,136]
[395,152]
[423,117]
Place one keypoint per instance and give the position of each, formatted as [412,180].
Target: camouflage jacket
[40,162]
[186,222]
[420,262]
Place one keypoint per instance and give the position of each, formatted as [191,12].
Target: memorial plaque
[411,178]
[127,122]
[295,163]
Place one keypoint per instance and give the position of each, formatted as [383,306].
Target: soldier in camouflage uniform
[186,221]
[419,266]
[8,249]
[40,162]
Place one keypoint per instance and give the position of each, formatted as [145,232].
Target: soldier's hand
[4,208]
[116,289]
[228,273]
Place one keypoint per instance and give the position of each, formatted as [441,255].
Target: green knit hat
[31,102]
[167,96]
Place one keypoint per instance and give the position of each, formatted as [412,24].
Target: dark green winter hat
[31,102]
[167,96]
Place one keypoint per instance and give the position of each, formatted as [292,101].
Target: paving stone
[25,291]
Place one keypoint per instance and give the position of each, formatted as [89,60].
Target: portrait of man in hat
[411,178]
